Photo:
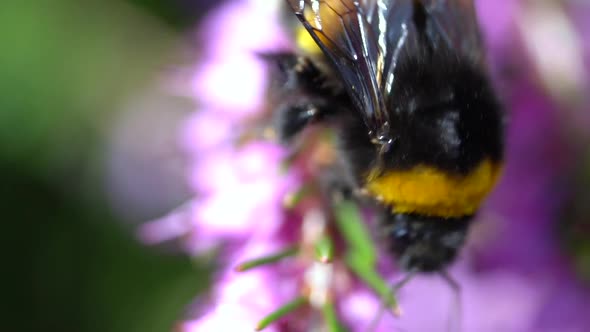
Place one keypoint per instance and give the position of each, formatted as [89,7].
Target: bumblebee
[419,127]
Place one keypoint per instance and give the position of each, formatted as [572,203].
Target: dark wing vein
[343,32]
[365,39]
[456,22]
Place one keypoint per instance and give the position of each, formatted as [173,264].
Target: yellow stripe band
[429,191]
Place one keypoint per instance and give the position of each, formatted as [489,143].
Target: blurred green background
[70,262]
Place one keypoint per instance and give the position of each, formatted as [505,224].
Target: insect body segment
[342,30]
[419,128]
[308,95]
[431,192]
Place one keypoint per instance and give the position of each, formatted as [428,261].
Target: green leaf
[361,254]
[281,312]
[331,319]
[324,249]
[373,279]
[270,259]
[354,230]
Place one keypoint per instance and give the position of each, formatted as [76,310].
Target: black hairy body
[442,119]
[444,113]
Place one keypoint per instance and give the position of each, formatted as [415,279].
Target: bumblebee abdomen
[424,244]
[432,192]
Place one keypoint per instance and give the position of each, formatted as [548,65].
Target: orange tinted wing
[343,31]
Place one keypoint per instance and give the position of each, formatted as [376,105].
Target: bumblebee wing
[346,35]
[455,21]
[451,24]
[365,39]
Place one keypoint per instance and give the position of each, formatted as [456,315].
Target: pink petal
[205,129]
[245,26]
[234,84]
[171,226]
[239,212]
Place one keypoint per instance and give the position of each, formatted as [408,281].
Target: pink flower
[240,189]
[233,84]
[241,193]
[511,274]
[241,299]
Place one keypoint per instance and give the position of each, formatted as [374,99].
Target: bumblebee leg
[454,323]
[301,74]
[291,117]
[304,93]
[394,289]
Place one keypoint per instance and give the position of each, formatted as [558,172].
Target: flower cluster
[513,275]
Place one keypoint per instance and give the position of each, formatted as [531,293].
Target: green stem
[331,319]
[369,275]
[354,231]
[248,265]
[324,249]
[281,312]
[293,199]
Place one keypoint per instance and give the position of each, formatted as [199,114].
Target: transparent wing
[456,24]
[365,40]
[450,24]
[347,32]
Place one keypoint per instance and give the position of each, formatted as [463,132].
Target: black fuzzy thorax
[443,114]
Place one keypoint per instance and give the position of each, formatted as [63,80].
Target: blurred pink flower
[239,189]
[233,84]
[240,195]
[205,130]
[241,299]
[512,274]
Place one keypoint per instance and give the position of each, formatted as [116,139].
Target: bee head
[425,244]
